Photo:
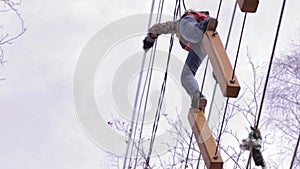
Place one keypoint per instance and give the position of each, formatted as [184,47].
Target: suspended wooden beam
[205,140]
[248,5]
[222,68]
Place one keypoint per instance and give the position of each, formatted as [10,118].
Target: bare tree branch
[5,37]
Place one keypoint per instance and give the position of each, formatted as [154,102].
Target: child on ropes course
[189,29]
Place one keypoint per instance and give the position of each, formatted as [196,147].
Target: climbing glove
[149,41]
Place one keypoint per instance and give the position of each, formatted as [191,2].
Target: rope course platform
[221,65]
[248,5]
[205,140]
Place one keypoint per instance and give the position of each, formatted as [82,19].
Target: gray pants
[188,81]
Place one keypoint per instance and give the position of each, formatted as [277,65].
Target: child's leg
[188,79]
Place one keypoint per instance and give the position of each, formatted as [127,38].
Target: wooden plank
[205,139]
[221,65]
[248,5]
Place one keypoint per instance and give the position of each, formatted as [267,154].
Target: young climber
[189,29]
[253,144]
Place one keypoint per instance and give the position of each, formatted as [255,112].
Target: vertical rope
[269,69]
[219,8]
[184,7]
[220,133]
[137,92]
[204,75]
[134,111]
[249,160]
[213,98]
[149,73]
[231,24]
[199,158]
[271,61]
[161,98]
[188,153]
[239,45]
[295,152]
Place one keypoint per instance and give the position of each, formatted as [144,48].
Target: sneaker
[202,103]
[199,101]
[210,24]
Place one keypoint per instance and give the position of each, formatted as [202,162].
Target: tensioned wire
[269,70]
[295,152]
[148,84]
[137,93]
[162,93]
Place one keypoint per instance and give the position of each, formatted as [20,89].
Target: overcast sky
[38,124]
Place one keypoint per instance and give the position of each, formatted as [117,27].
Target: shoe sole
[202,103]
[212,24]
